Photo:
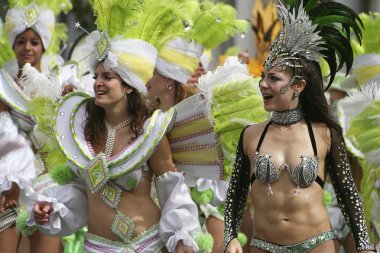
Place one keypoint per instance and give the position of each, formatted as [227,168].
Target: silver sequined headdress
[310,30]
[298,37]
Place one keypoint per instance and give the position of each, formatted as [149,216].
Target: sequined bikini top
[304,174]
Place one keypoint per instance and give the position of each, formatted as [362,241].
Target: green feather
[114,16]
[157,22]
[214,24]
[6,52]
[242,238]
[21,222]
[202,197]
[43,110]
[365,128]
[62,174]
[57,6]
[205,241]
[370,42]
[235,105]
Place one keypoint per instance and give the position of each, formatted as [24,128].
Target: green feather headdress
[331,22]
[129,34]
[113,16]
[158,21]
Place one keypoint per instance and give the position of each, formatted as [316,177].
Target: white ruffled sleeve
[16,157]
[179,214]
[69,206]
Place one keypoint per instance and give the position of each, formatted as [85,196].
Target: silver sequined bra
[304,174]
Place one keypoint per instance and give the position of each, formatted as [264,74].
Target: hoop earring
[168,86]
[125,97]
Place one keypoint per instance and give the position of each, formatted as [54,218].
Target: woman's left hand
[181,248]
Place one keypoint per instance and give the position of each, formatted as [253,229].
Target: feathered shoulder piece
[312,29]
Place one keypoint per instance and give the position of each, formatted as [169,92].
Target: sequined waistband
[301,247]
[147,241]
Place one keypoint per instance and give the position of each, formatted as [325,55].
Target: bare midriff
[137,204]
[285,219]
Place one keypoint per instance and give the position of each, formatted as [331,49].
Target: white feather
[232,70]
[355,104]
[37,84]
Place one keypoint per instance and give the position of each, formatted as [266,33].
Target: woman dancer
[286,159]
[114,147]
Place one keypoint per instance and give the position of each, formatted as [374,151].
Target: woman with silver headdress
[285,160]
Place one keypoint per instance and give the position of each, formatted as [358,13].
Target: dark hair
[94,127]
[183,91]
[312,98]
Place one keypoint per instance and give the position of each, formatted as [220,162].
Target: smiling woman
[114,147]
[28,48]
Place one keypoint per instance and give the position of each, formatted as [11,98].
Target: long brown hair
[94,127]
[312,98]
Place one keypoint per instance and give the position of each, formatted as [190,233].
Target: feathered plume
[355,104]
[158,21]
[44,94]
[114,16]
[214,24]
[327,17]
[232,102]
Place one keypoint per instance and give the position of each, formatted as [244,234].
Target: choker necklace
[288,117]
[111,133]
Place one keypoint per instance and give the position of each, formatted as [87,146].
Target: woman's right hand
[234,247]
[41,212]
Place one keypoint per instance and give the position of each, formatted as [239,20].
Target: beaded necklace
[111,133]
